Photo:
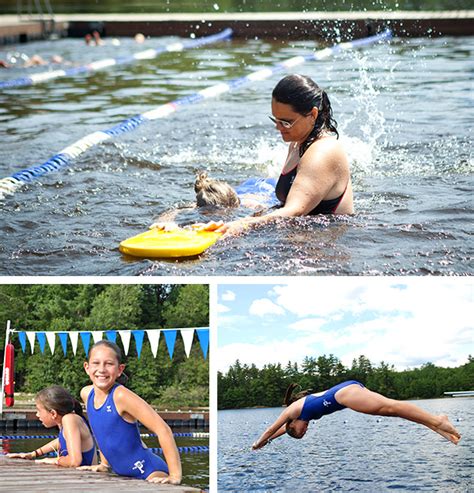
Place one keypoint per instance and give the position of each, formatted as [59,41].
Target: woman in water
[315,178]
[74,445]
[114,413]
[302,409]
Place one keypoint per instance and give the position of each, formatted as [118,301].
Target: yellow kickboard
[162,244]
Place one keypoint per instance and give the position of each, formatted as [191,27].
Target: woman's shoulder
[326,150]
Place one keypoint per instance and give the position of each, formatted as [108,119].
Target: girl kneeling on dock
[114,412]
[74,445]
[305,406]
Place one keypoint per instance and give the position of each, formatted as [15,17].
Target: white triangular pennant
[51,338]
[73,335]
[187,336]
[125,336]
[96,335]
[31,338]
[154,338]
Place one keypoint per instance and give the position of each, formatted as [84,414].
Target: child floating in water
[114,412]
[74,445]
[305,406]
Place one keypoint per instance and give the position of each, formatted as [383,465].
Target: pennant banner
[94,336]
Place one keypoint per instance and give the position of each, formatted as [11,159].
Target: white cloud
[308,324]
[222,308]
[228,296]
[264,306]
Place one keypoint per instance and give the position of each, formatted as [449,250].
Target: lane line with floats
[64,157]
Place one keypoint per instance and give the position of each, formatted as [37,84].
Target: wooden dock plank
[18,476]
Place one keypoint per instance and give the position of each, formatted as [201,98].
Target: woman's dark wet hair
[59,399]
[290,398]
[118,353]
[291,432]
[303,94]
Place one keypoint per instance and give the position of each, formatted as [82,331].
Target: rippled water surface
[348,451]
[404,111]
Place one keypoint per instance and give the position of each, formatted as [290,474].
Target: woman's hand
[210,226]
[23,455]
[256,445]
[95,468]
[164,226]
[165,480]
[232,228]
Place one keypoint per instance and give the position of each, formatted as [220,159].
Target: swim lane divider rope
[199,449]
[110,62]
[144,435]
[10,184]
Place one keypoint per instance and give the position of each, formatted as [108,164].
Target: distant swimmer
[304,407]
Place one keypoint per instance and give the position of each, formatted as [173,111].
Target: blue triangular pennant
[170,338]
[111,335]
[63,339]
[138,336]
[22,337]
[86,339]
[41,336]
[203,336]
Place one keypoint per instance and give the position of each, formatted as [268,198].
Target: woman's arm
[275,430]
[134,406]
[102,467]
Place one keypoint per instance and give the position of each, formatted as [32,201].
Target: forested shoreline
[244,386]
[162,381]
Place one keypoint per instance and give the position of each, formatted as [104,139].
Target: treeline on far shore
[164,381]
[248,386]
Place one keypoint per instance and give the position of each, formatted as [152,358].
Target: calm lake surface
[348,451]
[405,116]
[195,465]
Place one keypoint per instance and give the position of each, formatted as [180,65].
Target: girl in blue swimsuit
[74,446]
[301,409]
[114,412]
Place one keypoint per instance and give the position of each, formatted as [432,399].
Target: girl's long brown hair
[290,398]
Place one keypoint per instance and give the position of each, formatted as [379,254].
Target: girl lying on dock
[74,445]
[114,412]
[304,407]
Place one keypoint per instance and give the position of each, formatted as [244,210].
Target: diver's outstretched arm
[277,429]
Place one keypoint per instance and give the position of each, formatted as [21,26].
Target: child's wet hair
[210,192]
[58,398]
[123,378]
[109,344]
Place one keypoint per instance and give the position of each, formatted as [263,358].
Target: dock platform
[20,476]
[248,25]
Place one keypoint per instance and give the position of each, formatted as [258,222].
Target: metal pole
[7,338]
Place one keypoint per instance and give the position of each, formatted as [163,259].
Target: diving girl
[74,446]
[114,412]
[301,409]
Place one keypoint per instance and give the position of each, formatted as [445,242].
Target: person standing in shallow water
[315,178]
[304,407]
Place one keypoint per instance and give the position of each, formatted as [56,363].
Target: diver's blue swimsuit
[120,440]
[87,457]
[317,406]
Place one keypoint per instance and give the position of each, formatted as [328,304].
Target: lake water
[348,451]
[404,111]
[195,465]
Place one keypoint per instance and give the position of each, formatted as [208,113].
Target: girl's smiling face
[103,367]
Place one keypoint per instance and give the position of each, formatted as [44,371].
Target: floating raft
[20,476]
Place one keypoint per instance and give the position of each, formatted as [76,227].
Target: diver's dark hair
[59,399]
[118,353]
[303,94]
[290,398]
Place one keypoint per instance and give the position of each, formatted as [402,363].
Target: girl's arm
[51,446]
[72,435]
[277,429]
[134,406]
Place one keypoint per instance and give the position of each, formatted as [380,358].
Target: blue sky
[405,322]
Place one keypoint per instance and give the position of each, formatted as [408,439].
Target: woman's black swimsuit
[283,189]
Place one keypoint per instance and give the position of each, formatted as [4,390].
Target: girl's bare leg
[365,401]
